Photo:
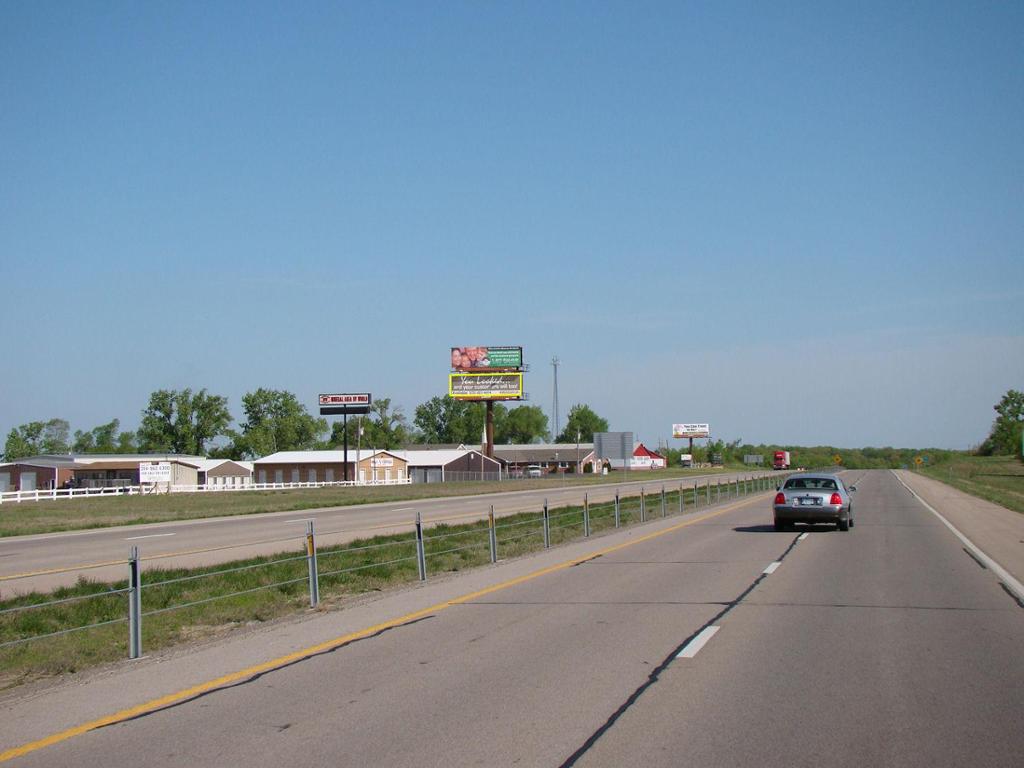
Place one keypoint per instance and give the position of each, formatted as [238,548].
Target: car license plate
[808,502]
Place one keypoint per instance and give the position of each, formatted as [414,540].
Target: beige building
[365,466]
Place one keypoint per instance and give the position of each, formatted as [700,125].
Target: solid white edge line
[771,568]
[803,536]
[1003,575]
[150,536]
[692,647]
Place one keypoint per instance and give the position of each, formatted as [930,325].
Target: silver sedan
[814,498]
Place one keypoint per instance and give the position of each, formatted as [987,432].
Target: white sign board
[691,430]
[154,472]
[382,462]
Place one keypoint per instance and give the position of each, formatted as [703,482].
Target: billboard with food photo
[486,358]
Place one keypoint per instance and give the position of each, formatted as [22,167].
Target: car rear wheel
[779,525]
[843,525]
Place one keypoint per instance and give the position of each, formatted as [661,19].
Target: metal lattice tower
[554,364]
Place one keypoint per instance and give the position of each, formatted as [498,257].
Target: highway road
[47,561]
[704,640]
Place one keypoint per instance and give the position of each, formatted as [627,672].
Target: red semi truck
[781,460]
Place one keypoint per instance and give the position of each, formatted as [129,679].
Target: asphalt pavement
[707,639]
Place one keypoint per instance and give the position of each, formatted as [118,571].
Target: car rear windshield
[814,483]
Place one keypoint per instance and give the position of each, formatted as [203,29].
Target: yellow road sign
[837,459]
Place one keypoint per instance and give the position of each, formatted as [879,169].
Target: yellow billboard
[486,386]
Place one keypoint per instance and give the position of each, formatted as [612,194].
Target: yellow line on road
[87,566]
[291,658]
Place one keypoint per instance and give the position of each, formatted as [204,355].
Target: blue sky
[800,222]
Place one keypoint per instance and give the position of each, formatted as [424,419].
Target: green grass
[273,586]
[18,519]
[999,479]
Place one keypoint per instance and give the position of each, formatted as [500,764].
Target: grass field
[999,479]
[102,512]
[189,605]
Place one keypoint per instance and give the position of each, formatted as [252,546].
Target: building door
[28,481]
[329,475]
[5,482]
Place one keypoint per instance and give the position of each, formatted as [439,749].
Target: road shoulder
[995,530]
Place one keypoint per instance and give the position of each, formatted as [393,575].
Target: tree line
[199,423]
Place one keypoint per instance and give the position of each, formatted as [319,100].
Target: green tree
[385,428]
[522,424]
[1005,437]
[584,421]
[55,436]
[448,420]
[23,441]
[104,439]
[37,437]
[183,422]
[276,421]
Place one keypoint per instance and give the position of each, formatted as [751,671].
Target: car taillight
[780,498]
[836,499]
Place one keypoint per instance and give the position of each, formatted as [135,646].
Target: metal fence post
[547,526]
[643,506]
[134,605]
[695,501]
[682,501]
[492,535]
[664,512]
[616,509]
[314,576]
[586,515]
[707,490]
[421,555]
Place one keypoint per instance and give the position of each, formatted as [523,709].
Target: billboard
[361,398]
[485,386]
[691,430]
[346,404]
[615,446]
[154,471]
[486,358]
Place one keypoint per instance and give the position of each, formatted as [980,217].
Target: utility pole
[554,364]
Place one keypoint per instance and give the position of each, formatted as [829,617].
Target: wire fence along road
[417,549]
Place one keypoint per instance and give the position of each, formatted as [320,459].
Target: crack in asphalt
[656,673]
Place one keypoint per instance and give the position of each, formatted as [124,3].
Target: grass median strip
[86,624]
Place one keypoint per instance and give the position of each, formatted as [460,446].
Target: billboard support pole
[489,448]
[344,424]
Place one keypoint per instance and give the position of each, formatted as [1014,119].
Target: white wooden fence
[53,494]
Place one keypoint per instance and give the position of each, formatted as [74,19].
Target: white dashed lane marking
[693,647]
